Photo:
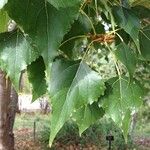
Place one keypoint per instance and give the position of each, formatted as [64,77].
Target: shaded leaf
[64,3]
[100,29]
[15,54]
[141,12]
[125,35]
[127,20]
[145,42]
[107,10]
[81,28]
[127,57]
[36,76]
[73,84]
[87,115]
[45,24]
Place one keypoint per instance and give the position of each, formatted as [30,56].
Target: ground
[26,139]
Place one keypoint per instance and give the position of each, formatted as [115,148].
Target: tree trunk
[6,133]
[12,113]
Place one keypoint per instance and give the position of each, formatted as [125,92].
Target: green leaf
[127,57]
[64,3]
[107,10]
[78,31]
[141,12]
[122,97]
[87,115]
[126,124]
[36,76]
[100,29]
[44,24]
[3,21]
[145,42]
[127,20]
[124,35]
[145,3]
[73,84]
[15,54]
[2,3]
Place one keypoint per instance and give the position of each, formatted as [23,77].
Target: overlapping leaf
[73,85]
[80,29]
[121,98]
[127,57]
[145,42]
[64,3]
[127,20]
[15,54]
[87,115]
[36,75]
[45,24]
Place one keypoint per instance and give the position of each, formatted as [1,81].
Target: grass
[26,120]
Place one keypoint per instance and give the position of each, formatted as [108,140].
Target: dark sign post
[109,138]
[34,130]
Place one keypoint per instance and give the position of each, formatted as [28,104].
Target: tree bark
[8,103]
[12,114]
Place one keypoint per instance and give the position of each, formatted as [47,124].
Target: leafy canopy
[83,53]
